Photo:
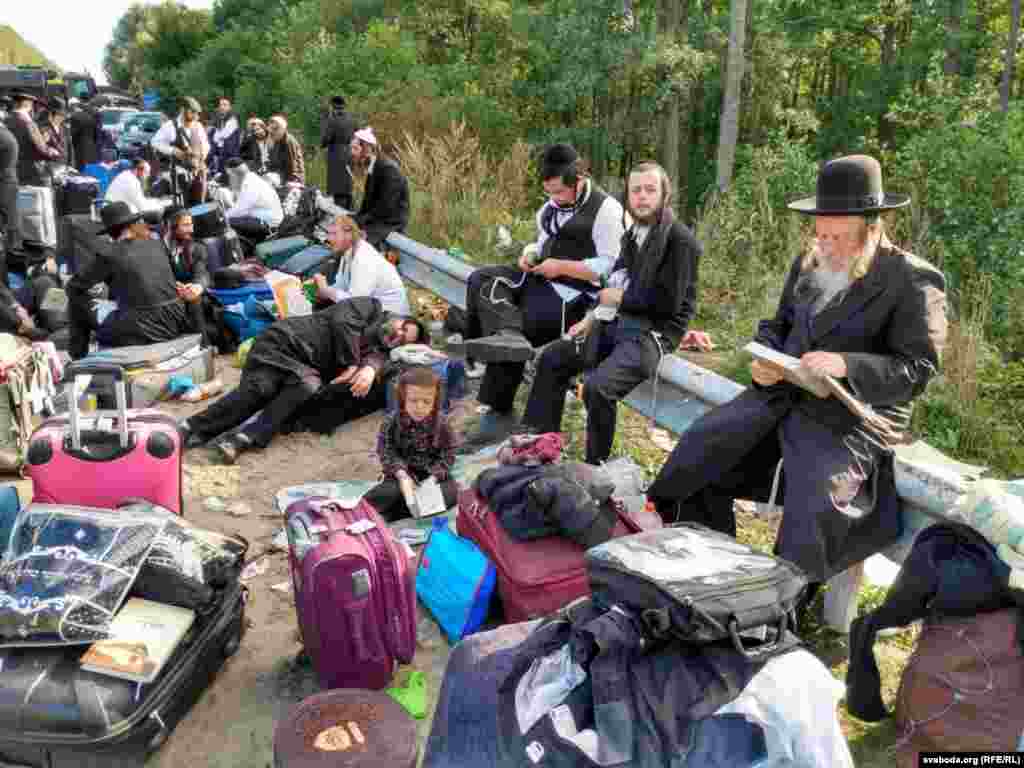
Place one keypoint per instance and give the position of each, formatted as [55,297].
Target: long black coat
[336,138]
[890,327]
[83,137]
[385,206]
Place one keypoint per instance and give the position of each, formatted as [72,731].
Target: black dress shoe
[503,347]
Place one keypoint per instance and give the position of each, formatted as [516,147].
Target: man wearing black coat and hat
[855,308]
[345,345]
[32,149]
[385,205]
[84,136]
[150,306]
[336,137]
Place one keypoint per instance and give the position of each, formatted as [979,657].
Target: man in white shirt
[362,270]
[127,188]
[257,208]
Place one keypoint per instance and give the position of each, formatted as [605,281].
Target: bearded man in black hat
[136,268]
[509,310]
[858,309]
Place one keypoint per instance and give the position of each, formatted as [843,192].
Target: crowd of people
[604,292]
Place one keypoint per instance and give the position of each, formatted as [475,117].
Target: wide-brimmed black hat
[850,186]
[19,95]
[117,216]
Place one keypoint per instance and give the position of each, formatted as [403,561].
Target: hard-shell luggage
[105,173]
[274,253]
[244,312]
[354,592]
[148,368]
[37,213]
[77,194]
[535,578]
[355,729]
[222,251]
[208,220]
[308,262]
[697,585]
[78,459]
[53,714]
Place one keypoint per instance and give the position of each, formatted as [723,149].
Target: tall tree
[1011,55]
[729,127]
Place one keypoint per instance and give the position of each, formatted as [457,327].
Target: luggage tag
[360,527]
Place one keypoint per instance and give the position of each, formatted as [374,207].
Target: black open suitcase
[55,715]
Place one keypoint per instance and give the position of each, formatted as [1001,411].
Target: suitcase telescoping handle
[84,368]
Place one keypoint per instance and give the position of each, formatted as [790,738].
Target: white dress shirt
[163,140]
[367,273]
[607,234]
[258,199]
[127,188]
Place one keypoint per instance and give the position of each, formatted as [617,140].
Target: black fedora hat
[20,95]
[117,216]
[849,186]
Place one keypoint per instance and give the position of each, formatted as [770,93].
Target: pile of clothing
[536,495]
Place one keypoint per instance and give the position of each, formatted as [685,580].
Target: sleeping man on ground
[345,346]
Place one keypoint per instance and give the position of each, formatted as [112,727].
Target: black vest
[28,172]
[574,240]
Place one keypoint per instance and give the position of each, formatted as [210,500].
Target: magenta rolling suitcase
[354,593]
[104,458]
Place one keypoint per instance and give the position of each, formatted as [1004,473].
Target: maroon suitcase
[535,577]
[354,595]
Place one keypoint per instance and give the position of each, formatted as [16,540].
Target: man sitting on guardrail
[385,205]
[854,308]
[509,310]
[641,316]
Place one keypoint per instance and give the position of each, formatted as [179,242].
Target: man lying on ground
[346,345]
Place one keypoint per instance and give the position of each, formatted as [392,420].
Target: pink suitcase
[535,578]
[354,592]
[104,458]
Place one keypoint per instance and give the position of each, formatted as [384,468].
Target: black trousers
[276,392]
[534,308]
[631,361]
[344,200]
[9,222]
[386,497]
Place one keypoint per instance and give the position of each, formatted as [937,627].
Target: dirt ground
[232,726]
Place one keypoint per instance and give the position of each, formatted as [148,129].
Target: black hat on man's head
[56,105]
[558,160]
[338,101]
[19,95]
[850,186]
[117,216]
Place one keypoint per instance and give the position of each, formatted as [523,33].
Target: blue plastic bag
[455,580]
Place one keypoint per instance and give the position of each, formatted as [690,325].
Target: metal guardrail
[928,482]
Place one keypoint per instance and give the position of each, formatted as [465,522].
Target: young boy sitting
[415,443]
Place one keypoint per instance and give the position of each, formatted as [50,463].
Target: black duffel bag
[698,585]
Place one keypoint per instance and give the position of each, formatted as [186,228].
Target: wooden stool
[346,728]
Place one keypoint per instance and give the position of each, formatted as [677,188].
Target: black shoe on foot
[503,347]
[494,427]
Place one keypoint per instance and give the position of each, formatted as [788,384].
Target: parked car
[139,129]
[112,120]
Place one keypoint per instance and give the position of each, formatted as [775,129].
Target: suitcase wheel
[160,736]
[160,445]
[39,452]
[233,644]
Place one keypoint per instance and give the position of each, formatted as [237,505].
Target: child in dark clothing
[415,443]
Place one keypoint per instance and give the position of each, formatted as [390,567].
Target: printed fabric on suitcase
[537,577]
[696,584]
[353,590]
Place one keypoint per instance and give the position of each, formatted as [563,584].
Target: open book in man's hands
[790,369]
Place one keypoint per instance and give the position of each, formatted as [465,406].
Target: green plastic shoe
[413,695]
